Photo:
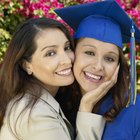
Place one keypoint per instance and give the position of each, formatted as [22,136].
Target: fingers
[115,75]
[106,86]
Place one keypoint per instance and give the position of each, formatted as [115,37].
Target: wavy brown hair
[120,91]
[14,81]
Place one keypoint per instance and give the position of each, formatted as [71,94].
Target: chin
[85,90]
[66,83]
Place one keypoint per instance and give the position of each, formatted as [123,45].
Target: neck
[82,91]
[52,90]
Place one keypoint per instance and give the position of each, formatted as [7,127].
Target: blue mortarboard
[105,21]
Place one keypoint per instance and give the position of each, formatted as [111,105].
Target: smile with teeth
[95,77]
[64,72]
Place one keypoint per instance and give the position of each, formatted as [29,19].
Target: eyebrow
[113,53]
[52,46]
[89,45]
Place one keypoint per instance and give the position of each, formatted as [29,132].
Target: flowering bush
[9,18]
[12,12]
[39,8]
[132,7]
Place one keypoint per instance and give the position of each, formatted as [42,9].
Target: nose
[98,65]
[65,59]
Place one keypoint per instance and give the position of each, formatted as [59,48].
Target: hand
[90,99]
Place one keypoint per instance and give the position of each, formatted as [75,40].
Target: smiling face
[52,61]
[95,62]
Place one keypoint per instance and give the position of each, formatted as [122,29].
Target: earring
[29,72]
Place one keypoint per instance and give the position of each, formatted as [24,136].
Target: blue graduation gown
[126,126]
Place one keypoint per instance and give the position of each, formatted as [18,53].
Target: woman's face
[52,61]
[95,62]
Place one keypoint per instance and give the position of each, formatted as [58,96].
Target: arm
[137,118]
[137,137]
[89,126]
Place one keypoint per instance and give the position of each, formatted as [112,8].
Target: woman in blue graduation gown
[101,28]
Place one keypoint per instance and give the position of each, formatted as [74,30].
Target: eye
[50,53]
[67,48]
[90,53]
[109,59]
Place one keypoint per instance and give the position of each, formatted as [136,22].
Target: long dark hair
[14,81]
[120,91]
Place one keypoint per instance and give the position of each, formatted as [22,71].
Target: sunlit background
[12,12]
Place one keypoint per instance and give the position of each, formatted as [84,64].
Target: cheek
[51,67]
[78,64]
[72,57]
[45,66]
[110,69]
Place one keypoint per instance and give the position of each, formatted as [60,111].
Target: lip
[95,78]
[64,72]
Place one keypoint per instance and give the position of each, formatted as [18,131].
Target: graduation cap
[105,21]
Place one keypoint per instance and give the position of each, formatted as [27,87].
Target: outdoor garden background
[12,12]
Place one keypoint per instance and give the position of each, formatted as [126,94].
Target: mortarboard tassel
[133,88]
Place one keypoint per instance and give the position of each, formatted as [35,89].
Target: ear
[27,67]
